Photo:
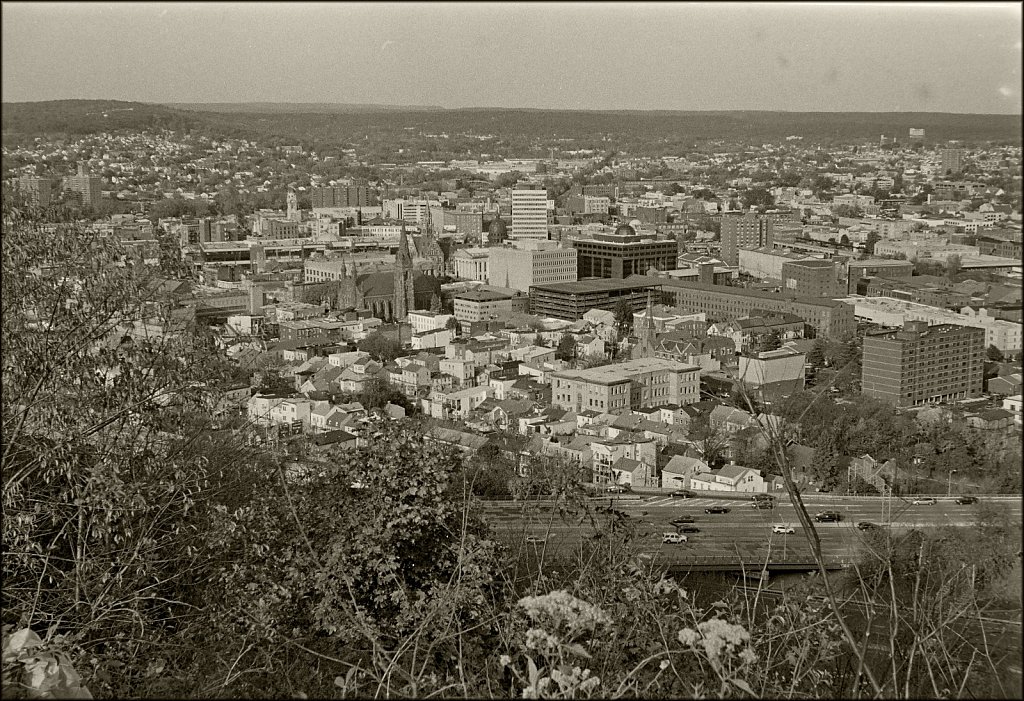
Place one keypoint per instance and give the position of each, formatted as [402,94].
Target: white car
[673,538]
[534,539]
[783,529]
[926,501]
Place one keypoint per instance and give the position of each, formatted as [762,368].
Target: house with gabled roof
[677,472]
[730,478]
[626,471]
[730,419]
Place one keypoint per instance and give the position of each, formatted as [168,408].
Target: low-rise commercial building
[829,318]
[620,388]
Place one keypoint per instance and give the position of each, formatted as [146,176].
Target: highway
[743,534]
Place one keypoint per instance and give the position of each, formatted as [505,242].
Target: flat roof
[618,373]
[741,292]
[597,285]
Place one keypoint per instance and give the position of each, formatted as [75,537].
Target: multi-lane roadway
[744,534]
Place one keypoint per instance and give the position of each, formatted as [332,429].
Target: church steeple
[647,331]
[403,301]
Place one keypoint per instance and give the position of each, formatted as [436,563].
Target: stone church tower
[403,303]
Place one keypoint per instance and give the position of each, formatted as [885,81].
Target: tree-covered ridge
[633,130]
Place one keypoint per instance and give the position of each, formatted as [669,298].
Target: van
[673,538]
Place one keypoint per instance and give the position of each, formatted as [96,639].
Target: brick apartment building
[920,363]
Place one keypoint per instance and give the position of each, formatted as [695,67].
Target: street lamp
[949,483]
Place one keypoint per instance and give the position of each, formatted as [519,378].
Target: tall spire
[403,277]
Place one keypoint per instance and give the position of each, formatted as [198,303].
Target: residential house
[677,472]
[607,451]
[1013,405]
[991,420]
[457,404]
[627,471]
[730,478]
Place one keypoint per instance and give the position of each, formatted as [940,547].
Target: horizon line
[409,107]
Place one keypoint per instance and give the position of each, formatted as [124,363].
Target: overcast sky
[934,57]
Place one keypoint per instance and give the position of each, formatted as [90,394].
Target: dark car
[717,510]
[763,504]
[867,526]
[825,516]
[681,520]
[964,499]
[687,528]
[682,494]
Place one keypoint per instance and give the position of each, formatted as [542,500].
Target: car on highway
[682,494]
[687,528]
[763,504]
[763,497]
[534,539]
[867,526]
[827,516]
[924,501]
[964,499]
[717,510]
[783,529]
[673,538]
[681,520]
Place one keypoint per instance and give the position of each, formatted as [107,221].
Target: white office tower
[529,214]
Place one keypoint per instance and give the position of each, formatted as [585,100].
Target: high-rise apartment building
[952,161]
[39,191]
[90,187]
[529,214]
[341,196]
[531,263]
[922,363]
[743,231]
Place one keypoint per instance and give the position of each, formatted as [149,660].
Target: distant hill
[294,107]
[89,117]
[633,131]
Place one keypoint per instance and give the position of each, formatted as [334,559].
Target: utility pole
[949,483]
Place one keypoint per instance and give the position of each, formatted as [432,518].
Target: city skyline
[878,57]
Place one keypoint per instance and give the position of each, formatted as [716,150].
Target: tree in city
[381,347]
[711,441]
[816,356]
[566,347]
[757,197]
[993,354]
[869,244]
[453,325]
[953,266]
[623,318]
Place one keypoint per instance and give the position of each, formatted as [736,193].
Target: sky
[864,57]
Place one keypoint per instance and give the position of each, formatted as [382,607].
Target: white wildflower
[664,664]
[505,660]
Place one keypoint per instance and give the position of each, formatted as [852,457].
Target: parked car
[687,528]
[616,488]
[717,510]
[673,538]
[867,526]
[964,499]
[681,520]
[783,529]
[924,501]
[682,494]
[534,539]
[825,516]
